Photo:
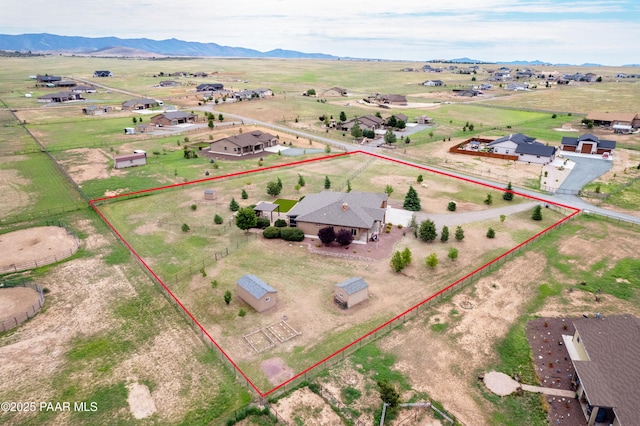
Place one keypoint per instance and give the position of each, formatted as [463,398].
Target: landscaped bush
[271,232]
[280,223]
[262,222]
[344,237]
[291,234]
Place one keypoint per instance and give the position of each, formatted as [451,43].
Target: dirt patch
[306,407]
[16,305]
[276,370]
[14,197]
[34,247]
[140,401]
[87,164]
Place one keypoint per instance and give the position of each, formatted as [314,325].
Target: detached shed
[351,292]
[260,295]
[131,160]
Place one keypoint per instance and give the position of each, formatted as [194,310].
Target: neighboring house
[145,127]
[173,118]
[130,160]
[587,144]
[169,83]
[60,97]
[65,83]
[392,99]
[260,295]
[361,213]
[102,73]
[252,94]
[402,117]
[48,78]
[351,292]
[467,92]
[334,92]
[209,87]
[96,110]
[434,83]
[138,104]
[244,143]
[619,122]
[424,119]
[525,147]
[201,74]
[369,122]
[84,89]
[606,354]
[485,86]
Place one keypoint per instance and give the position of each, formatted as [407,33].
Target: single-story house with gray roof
[351,292]
[141,103]
[605,352]
[361,213]
[587,144]
[173,118]
[260,295]
[526,148]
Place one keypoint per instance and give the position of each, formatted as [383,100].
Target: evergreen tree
[273,188]
[444,235]
[327,182]
[411,200]
[356,132]
[233,205]
[507,195]
[427,231]
[459,233]
[343,117]
[301,181]
[390,137]
[406,256]
[244,195]
[279,182]
[397,263]
[491,233]
[537,213]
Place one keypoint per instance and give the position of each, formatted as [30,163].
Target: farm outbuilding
[209,194]
[131,160]
[351,292]
[260,295]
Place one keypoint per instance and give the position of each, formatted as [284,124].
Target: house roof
[611,116]
[175,115]
[346,209]
[526,145]
[247,139]
[255,286]
[263,206]
[402,117]
[353,285]
[144,101]
[588,137]
[611,374]
[128,157]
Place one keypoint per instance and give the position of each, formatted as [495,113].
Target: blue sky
[582,31]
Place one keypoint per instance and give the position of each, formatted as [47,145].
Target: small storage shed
[260,295]
[209,194]
[131,160]
[351,292]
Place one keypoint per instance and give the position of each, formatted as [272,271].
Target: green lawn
[285,205]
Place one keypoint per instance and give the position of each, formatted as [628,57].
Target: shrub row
[287,234]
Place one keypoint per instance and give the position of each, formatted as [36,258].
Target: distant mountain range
[108,46]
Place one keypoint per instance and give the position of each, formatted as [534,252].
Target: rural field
[108,334]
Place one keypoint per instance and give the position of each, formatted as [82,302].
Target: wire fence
[12,321]
[47,260]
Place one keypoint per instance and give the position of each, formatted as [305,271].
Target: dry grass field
[106,333]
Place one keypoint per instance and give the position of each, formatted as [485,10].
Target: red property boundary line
[95,205]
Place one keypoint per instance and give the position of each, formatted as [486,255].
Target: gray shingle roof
[347,209]
[601,143]
[611,376]
[255,286]
[526,145]
[353,285]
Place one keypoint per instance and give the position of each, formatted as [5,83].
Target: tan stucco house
[260,295]
[351,292]
[361,213]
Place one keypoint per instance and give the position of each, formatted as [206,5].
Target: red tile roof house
[361,213]
[260,295]
[351,292]
[587,144]
[606,356]
[130,160]
[243,144]
[173,118]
